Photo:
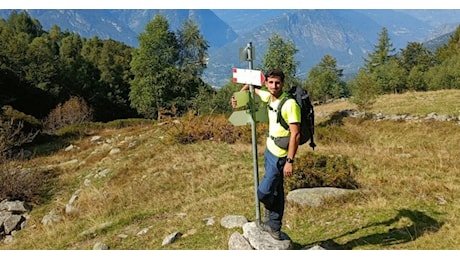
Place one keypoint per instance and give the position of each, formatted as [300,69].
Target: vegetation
[280,54]
[406,173]
[179,156]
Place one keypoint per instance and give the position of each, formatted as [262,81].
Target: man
[278,160]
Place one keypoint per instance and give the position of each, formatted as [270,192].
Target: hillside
[132,186]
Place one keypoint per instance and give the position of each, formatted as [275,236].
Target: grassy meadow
[409,174]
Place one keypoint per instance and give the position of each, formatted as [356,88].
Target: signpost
[250,77]
[255,113]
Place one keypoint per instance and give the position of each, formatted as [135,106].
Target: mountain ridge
[348,35]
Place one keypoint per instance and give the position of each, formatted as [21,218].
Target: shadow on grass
[420,224]
[335,119]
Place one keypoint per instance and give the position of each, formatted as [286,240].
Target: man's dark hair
[275,73]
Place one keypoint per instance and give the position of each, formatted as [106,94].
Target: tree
[280,54]
[451,49]
[42,67]
[416,55]
[446,74]
[151,66]
[324,80]
[364,90]
[390,77]
[191,64]
[415,59]
[192,49]
[383,51]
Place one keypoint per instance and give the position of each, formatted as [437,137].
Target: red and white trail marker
[247,76]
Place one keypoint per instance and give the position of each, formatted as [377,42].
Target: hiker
[278,161]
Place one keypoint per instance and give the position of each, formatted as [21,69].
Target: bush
[16,129]
[317,170]
[73,111]
[191,128]
[30,185]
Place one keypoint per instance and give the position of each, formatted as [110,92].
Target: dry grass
[408,172]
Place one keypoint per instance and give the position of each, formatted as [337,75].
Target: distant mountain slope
[344,34]
[437,42]
[125,25]
[244,20]
[348,35]
[403,27]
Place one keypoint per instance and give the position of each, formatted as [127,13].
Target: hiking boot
[263,226]
[266,215]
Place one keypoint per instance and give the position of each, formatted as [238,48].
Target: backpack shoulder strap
[280,118]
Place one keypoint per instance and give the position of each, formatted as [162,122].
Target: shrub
[318,170]
[16,129]
[31,185]
[73,111]
[192,128]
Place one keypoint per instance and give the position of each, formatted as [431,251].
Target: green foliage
[152,65]
[451,49]
[444,76]
[166,68]
[324,80]
[205,101]
[211,101]
[11,113]
[364,91]
[319,170]
[192,49]
[383,51]
[112,60]
[390,77]
[416,79]
[416,55]
[280,54]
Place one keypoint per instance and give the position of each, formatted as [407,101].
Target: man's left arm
[294,128]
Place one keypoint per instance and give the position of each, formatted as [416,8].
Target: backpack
[307,114]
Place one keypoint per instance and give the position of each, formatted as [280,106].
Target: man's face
[274,86]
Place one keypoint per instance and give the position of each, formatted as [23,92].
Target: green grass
[406,171]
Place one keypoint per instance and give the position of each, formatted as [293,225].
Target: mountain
[437,42]
[244,20]
[126,25]
[347,35]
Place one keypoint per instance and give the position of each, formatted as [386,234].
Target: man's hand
[233,100]
[287,170]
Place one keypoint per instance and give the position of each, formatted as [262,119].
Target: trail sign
[255,113]
[242,98]
[247,76]
[243,117]
[247,53]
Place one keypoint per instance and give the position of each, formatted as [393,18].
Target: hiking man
[278,161]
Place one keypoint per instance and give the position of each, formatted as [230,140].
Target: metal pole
[253,132]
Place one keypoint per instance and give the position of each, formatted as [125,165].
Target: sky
[230,4]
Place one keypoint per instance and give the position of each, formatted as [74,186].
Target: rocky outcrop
[13,215]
